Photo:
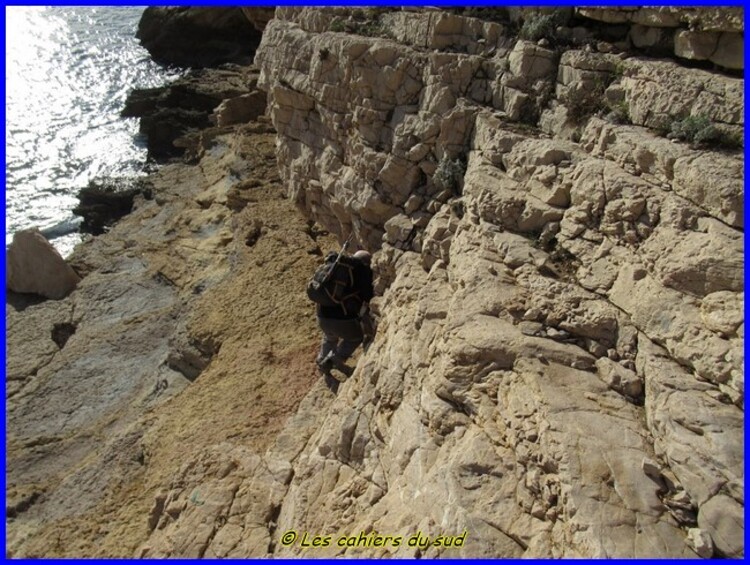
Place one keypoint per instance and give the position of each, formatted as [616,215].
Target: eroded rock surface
[185,332]
[558,369]
[700,34]
[534,312]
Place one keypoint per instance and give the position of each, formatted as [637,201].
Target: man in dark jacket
[342,330]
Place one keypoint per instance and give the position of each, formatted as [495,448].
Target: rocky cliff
[187,329]
[557,217]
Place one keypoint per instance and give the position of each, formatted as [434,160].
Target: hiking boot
[331,382]
[326,364]
[339,375]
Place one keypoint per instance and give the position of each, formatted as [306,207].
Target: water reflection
[68,73]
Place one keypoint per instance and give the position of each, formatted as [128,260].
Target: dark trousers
[341,337]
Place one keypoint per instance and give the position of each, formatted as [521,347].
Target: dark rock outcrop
[259,17]
[102,203]
[197,37]
[170,112]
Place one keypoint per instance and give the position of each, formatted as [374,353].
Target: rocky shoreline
[196,280]
[559,365]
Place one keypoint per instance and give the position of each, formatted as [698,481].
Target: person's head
[363,256]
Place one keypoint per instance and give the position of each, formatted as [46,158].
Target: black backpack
[333,284]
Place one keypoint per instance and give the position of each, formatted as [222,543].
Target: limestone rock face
[389,121]
[706,19]
[568,309]
[381,145]
[716,35]
[660,162]
[558,369]
[34,266]
[656,91]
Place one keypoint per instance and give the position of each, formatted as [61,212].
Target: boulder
[730,51]
[619,378]
[723,519]
[531,61]
[701,542]
[645,36]
[697,45]
[398,230]
[34,266]
[723,311]
[242,109]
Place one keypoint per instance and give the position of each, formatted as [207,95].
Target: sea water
[68,73]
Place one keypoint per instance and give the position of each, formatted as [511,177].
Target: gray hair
[363,256]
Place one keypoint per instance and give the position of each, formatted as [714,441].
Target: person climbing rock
[342,289]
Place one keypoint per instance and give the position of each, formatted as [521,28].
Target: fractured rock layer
[546,359]
[558,368]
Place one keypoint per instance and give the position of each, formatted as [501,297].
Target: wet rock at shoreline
[102,203]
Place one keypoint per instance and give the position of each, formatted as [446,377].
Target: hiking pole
[343,250]
[346,243]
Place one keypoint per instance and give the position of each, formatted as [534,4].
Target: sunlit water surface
[68,73]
